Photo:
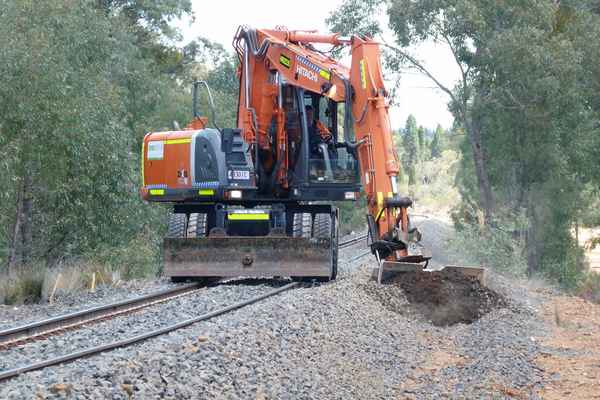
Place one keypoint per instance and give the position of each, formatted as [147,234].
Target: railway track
[41,329]
[56,325]
[352,242]
[12,373]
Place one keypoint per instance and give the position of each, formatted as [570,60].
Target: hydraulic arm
[289,56]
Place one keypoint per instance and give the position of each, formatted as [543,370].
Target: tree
[72,115]
[464,26]
[543,128]
[410,142]
[421,142]
[437,142]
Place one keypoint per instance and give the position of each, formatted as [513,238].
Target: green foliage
[543,159]
[435,190]
[137,258]
[495,248]
[357,17]
[153,16]
[353,216]
[437,143]
[72,116]
[410,143]
[66,135]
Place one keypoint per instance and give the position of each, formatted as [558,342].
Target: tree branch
[426,72]
[462,70]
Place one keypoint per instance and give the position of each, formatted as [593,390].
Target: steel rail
[13,336]
[361,255]
[12,373]
[351,242]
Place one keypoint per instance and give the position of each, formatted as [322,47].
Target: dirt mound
[442,298]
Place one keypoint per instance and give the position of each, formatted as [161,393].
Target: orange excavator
[256,200]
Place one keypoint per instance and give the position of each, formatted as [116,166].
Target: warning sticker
[284,60]
[325,74]
[156,150]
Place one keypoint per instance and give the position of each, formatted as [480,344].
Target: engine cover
[195,165]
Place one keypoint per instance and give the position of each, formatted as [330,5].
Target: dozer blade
[389,269]
[263,256]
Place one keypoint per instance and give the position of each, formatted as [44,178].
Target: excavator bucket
[389,269]
[245,256]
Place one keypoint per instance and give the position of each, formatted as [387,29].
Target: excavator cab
[323,167]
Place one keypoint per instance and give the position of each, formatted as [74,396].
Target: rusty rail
[12,373]
[40,329]
[353,241]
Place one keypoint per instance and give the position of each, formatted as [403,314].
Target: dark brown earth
[447,299]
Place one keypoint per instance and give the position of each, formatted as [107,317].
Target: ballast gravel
[329,341]
[13,315]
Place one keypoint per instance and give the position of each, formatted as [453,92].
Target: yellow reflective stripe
[178,141]
[363,73]
[390,195]
[206,192]
[142,158]
[380,199]
[248,217]
[157,192]
[325,74]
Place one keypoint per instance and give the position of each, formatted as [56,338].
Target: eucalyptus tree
[410,155]
[77,91]
[437,142]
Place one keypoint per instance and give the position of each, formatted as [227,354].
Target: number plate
[245,175]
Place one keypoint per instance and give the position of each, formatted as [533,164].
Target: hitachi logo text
[306,73]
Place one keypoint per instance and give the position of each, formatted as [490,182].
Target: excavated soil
[443,299]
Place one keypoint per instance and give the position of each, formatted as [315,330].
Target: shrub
[26,286]
[353,215]
[490,247]
[589,288]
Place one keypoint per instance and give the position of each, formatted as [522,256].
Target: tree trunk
[16,244]
[486,197]
[533,240]
[26,223]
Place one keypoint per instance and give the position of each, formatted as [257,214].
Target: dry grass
[589,289]
[35,284]
[26,286]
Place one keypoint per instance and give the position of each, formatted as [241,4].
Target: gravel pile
[330,341]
